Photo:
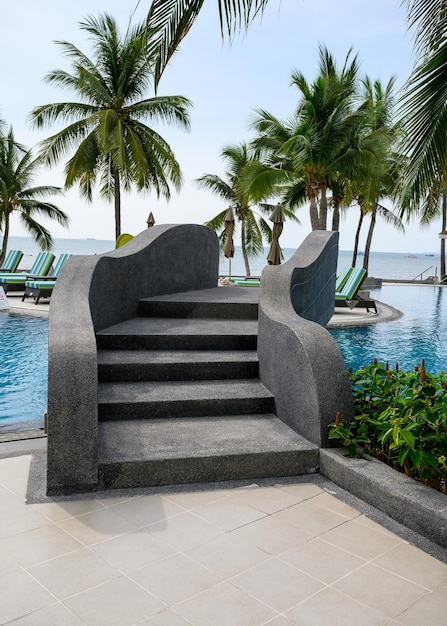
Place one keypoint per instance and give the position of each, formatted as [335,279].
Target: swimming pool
[23,371]
[420,333]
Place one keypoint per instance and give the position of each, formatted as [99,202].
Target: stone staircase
[180,400]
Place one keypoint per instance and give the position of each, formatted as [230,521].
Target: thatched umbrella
[150,220]
[277,217]
[228,248]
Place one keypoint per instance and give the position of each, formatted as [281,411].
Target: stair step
[219,303]
[179,334]
[152,365]
[151,400]
[142,453]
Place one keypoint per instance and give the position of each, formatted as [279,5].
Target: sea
[385,265]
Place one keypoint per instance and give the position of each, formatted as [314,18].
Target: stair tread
[224,295]
[179,326]
[175,356]
[169,391]
[175,438]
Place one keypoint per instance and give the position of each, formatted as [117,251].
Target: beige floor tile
[277,584]
[184,531]
[147,510]
[166,618]
[225,605]
[73,573]
[310,518]
[119,602]
[266,499]
[8,565]
[381,590]
[20,594]
[97,526]
[329,607]
[191,500]
[60,511]
[330,502]
[272,535]
[14,468]
[431,610]
[175,579]
[41,544]
[227,555]
[322,560]
[54,615]
[132,551]
[361,540]
[366,521]
[281,620]
[415,565]
[302,490]
[17,517]
[228,514]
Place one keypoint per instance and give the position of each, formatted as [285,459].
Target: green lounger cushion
[12,260]
[40,267]
[352,285]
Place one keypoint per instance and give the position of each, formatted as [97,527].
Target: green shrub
[401,419]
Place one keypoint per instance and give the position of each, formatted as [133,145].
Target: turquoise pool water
[420,333]
[23,371]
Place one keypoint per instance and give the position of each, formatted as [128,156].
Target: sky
[226,84]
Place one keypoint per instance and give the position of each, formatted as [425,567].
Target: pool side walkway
[290,551]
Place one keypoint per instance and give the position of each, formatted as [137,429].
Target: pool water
[23,371]
[420,333]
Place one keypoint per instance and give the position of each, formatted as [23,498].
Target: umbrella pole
[229,268]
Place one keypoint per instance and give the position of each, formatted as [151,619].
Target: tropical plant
[401,419]
[107,131]
[318,145]
[171,20]
[18,195]
[235,191]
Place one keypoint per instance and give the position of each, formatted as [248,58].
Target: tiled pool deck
[282,554]
[290,553]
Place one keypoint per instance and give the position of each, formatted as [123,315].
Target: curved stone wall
[299,361]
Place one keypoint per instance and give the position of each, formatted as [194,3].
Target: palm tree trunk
[323,207]
[369,238]
[116,178]
[5,238]
[357,238]
[244,249]
[443,228]
[336,215]
[313,211]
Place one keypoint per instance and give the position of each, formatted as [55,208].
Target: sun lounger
[40,267]
[43,287]
[342,278]
[349,296]
[11,262]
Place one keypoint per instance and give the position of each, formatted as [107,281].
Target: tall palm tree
[107,130]
[424,103]
[171,20]
[235,191]
[316,145]
[377,179]
[19,196]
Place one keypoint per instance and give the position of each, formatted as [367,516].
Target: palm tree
[317,145]
[235,191]
[424,104]
[107,130]
[378,179]
[18,196]
[171,21]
